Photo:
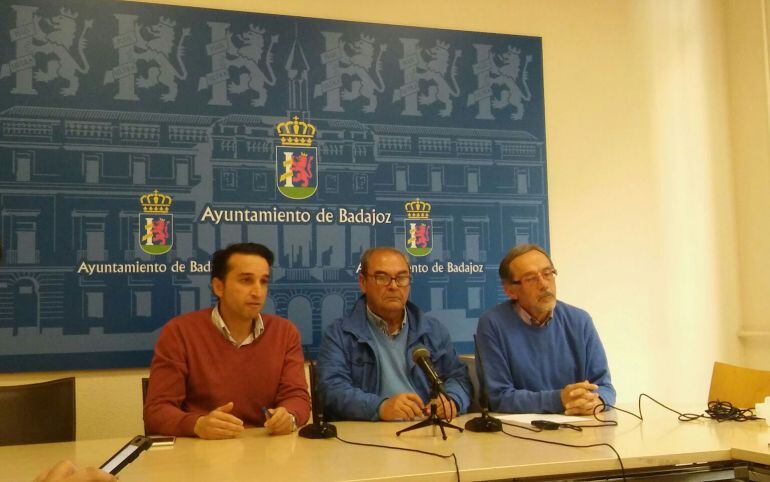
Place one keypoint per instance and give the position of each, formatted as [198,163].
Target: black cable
[721,411]
[620,460]
[363,444]
[717,410]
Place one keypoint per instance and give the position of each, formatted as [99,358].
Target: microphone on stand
[320,428]
[484,423]
[421,357]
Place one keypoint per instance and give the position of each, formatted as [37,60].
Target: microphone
[320,428]
[421,357]
[484,423]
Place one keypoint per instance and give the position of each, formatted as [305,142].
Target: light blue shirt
[391,354]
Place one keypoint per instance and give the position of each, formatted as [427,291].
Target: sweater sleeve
[292,387]
[503,394]
[597,369]
[342,399]
[167,388]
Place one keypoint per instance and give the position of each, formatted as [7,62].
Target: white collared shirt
[219,323]
[527,318]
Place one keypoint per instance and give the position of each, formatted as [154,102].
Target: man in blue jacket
[540,355]
[365,367]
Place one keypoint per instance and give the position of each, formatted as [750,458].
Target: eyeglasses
[547,274]
[383,279]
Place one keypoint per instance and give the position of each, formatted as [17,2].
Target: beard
[546,295]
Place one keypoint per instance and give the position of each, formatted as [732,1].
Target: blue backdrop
[137,139]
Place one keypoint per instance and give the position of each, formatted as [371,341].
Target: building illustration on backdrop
[116,185]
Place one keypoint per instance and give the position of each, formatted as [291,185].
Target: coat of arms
[419,228]
[296,173]
[156,234]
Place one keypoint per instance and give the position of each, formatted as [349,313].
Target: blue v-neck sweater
[527,366]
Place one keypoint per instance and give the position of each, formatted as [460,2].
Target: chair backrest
[743,387]
[145,383]
[309,392]
[470,362]
[38,412]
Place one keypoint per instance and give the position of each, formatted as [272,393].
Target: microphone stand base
[484,423]
[318,431]
[431,421]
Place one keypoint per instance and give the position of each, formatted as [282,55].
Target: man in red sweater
[218,370]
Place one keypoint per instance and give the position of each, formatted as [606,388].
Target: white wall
[657,141]
[748,28]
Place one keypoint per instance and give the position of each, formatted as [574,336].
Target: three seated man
[218,370]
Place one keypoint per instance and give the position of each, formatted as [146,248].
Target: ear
[218,286]
[511,290]
[362,283]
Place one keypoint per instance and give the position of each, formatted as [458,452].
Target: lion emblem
[357,60]
[434,70]
[158,51]
[507,75]
[57,39]
[248,56]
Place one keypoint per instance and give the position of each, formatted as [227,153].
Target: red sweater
[195,370]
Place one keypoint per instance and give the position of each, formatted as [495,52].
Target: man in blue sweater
[540,355]
[365,366]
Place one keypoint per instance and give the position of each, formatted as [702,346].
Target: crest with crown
[296,133]
[417,209]
[156,202]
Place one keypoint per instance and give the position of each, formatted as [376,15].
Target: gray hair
[387,249]
[505,265]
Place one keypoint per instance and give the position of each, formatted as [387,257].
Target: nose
[258,290]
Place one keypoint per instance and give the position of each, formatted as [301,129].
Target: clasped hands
[220,423]
[580,398]
[409,406]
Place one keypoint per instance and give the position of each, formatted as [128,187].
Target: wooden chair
[38,412]
[743,387]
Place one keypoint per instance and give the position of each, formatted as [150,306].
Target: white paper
[526,418]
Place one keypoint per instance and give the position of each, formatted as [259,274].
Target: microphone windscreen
[420,352]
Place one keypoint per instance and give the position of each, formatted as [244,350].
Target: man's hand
[219,424]
[280,422]
[580,398]
[404,406]
[66,471]
[445,407]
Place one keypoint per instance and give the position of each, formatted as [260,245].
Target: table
[658,442]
